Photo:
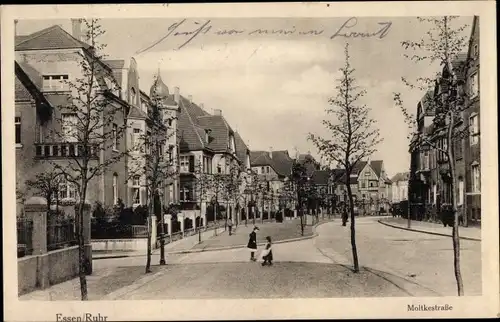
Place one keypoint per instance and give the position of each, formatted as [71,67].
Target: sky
[273,88]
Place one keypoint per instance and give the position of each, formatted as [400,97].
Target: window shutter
[191,163]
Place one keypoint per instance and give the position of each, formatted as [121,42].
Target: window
[133,97]
[187,193]
[115,137]
[67,190]
[69,129]
[268,169]
[363,184]
[115,188]
[474,129]
[184,163]
[171,155]
[460,199]
[476,178]
[426,160]
[367,173]
[136,134]
[476,50]
[136,190]
[55,83]
[219,169]
[17,122]
[474,85]
[262,170]
[434,193]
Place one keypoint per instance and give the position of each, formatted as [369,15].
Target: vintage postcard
[249,161]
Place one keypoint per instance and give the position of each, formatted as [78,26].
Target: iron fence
[61,234]
[24,237]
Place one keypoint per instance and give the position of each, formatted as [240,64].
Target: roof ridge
[37,34]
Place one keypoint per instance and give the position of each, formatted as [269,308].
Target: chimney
[77,28]
[271,152]
[190,98]
[218,112]
[176,94]
[15,27]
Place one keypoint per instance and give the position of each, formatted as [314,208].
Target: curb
[425,231]
[189,251]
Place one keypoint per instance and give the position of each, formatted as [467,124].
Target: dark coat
[252,242]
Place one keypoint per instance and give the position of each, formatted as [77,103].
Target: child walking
[268,253]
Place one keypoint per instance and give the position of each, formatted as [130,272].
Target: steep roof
[21,91]
[280,161]
[219,135]
[28,83]
[401,176]
[54,37]
[376,165]
[190,136]
[137,113]
[241,147]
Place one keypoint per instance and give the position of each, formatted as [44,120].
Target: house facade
[46,136]
[399,185]
[430,177]
[46,62]
[211,154]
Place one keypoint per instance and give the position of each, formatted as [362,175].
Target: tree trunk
[455,235]
[148,260]
[353,231]
[81,244]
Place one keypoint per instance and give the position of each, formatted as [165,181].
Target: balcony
[65,150]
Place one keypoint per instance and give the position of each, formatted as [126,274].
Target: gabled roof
[54,37]
[219,134]
[26,85]
[280,161]
[376,165]
[190,136]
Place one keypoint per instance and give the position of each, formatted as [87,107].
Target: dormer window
[55,82]
[207,135]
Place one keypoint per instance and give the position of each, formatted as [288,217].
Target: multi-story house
[472,143]
[210,152]
[372,185]
[371,189]
[399,185]
[430,176]
[272,168]
[45,63]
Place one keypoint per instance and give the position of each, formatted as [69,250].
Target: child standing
[268,253]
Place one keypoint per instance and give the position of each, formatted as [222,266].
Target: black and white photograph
[219,155]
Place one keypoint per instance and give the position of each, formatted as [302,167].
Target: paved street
[394,262]
[423,258]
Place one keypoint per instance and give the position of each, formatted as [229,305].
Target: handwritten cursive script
[346,30]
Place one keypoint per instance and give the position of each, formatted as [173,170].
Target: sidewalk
[468,233]
[287,230]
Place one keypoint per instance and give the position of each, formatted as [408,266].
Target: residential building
[399,185]
[45,62]
[430,175]
[370,186]
[209,151]
[273,168]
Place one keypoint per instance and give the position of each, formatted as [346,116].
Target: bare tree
[442,45]
[47,185]
[352,137]
[87,128]
[154,163]
[202,190]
